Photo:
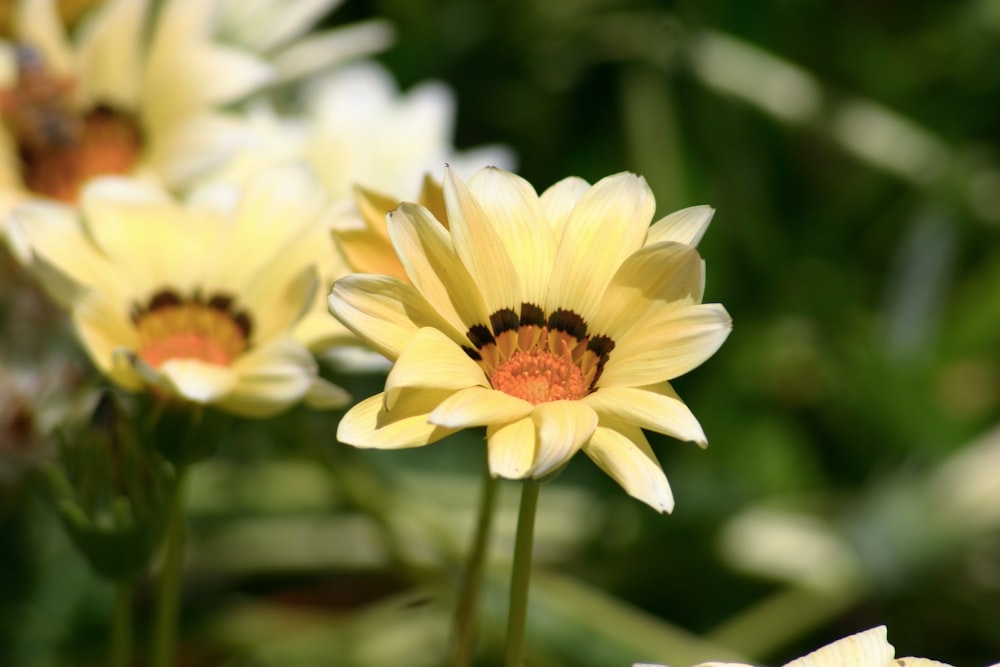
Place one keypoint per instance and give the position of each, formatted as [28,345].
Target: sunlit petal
[431,360]
[621,450]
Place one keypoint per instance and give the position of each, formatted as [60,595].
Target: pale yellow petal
[52,234]
[104,328]
[431,360]
[559,200]
[687,226]
[267,25]
[270,378]
[920,662]
[477,242]
[197,381]
[621,450]
[280,214]
[324,395]
[425,250]
[146,236]
[514,212]
[666,346]
[277,302]
[367,424]
[195,145]
[563,427]
[870,648]
[180,82]
[511,448]
[664,275]
[656,407]
[479,406]
[312,53]
[607,225]
[383,311]
[110,55]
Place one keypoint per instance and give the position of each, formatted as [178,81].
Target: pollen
[174,328]
[60,146]
[539,375]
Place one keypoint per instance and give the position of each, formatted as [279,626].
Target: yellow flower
[555,321]
[870,648]
[132,90]
[193,301]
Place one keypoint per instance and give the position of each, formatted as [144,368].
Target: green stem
[521,574]
[121,625]
[463,640]
[168,603]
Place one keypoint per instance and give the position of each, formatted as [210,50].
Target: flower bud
[112,491]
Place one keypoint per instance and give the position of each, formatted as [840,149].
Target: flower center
[538,375]
[60,146]
[173,328]
[539,359]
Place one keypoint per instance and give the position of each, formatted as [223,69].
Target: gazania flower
[193,301]
[556,321]
[870,648]
[104,100]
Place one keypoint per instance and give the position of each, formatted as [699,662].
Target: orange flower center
[173,328]
[538,375]
[60,146]
[539,359]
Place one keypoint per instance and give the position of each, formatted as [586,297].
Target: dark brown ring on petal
[601,346]
[503,320]
[220,302]
[162,299]
[479,335]
[532,315]
[568,322]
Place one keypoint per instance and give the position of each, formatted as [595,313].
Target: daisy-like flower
[129,91]
[195,301]
[870,648]
[555,321]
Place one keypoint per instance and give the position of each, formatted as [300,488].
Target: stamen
[539,375]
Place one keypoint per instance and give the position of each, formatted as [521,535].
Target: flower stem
[121,625]
[165,630]
[521,574]
[463,640]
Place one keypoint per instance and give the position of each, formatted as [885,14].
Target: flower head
[196,300]
[555,321]
[132,89]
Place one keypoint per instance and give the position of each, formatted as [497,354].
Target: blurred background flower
[192,302]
